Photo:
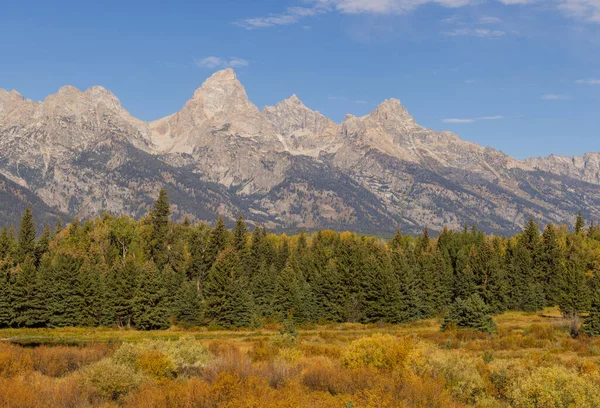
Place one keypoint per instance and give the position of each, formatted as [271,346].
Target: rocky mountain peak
[392,112]
[221,95]
[302,130]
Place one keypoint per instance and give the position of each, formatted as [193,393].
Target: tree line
[153,273]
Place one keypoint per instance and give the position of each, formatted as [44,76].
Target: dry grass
[531,356]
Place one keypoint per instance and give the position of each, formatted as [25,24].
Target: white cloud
[469,81]
[291,16]
[213,62]
[471,120]
[587,10]
[516,2]
[386,6]
[554,97]
[477,32]
[589,81]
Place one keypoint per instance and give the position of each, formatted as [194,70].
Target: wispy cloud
[589,81]
[554,97]
[387,6]
[471,120]
[213,62]
[470,81]
[475,32]
[587,10]
[291,16]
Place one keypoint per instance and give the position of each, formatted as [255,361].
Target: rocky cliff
[82,153]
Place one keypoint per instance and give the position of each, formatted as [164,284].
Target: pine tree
[552,263]
[121,285]
[171,280]
[160,227]
[92,292]
[228,302]
[591,323]
[217,242]
[330,294]
[290,291]
[240,232]
[471,313]
[188,305]
[6,307]
[42,245]
[149,304]
[64,300]
[26,236]
[381,290]
[7,243]
[28,311]
[579,223]
[263,288]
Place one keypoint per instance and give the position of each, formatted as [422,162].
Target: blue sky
[522,76]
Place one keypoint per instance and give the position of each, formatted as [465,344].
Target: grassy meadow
[532,360]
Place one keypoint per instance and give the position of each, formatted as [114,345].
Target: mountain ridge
[257,159]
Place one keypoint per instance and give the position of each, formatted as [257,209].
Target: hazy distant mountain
[286,166]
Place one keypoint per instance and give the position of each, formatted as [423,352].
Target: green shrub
[111,379]
[182,355]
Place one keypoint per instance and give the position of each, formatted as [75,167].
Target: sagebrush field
[530,361]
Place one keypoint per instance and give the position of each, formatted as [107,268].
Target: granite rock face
[287,166]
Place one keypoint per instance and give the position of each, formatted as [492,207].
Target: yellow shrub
[550,387]
[379,351]
[290,355]
[459,373]
[155,364]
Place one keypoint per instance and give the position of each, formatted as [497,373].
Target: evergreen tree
[381,290]
[591,323]
[291,292]
[471,313]
[64,301]
[28,309]
[122,283]
[6,308]
[188,305]
[579,223]
[217,242]
[92,291]
[329,294]
[240,232]
[149,304]
[26,236]
[263,288]
[160,227]
[228,302]
[42,245]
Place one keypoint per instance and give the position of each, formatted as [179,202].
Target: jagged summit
[287,166]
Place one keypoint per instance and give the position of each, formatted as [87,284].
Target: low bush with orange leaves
[524,364]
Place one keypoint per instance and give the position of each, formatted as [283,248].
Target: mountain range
[80,153]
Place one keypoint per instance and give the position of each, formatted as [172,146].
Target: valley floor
[531,361]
